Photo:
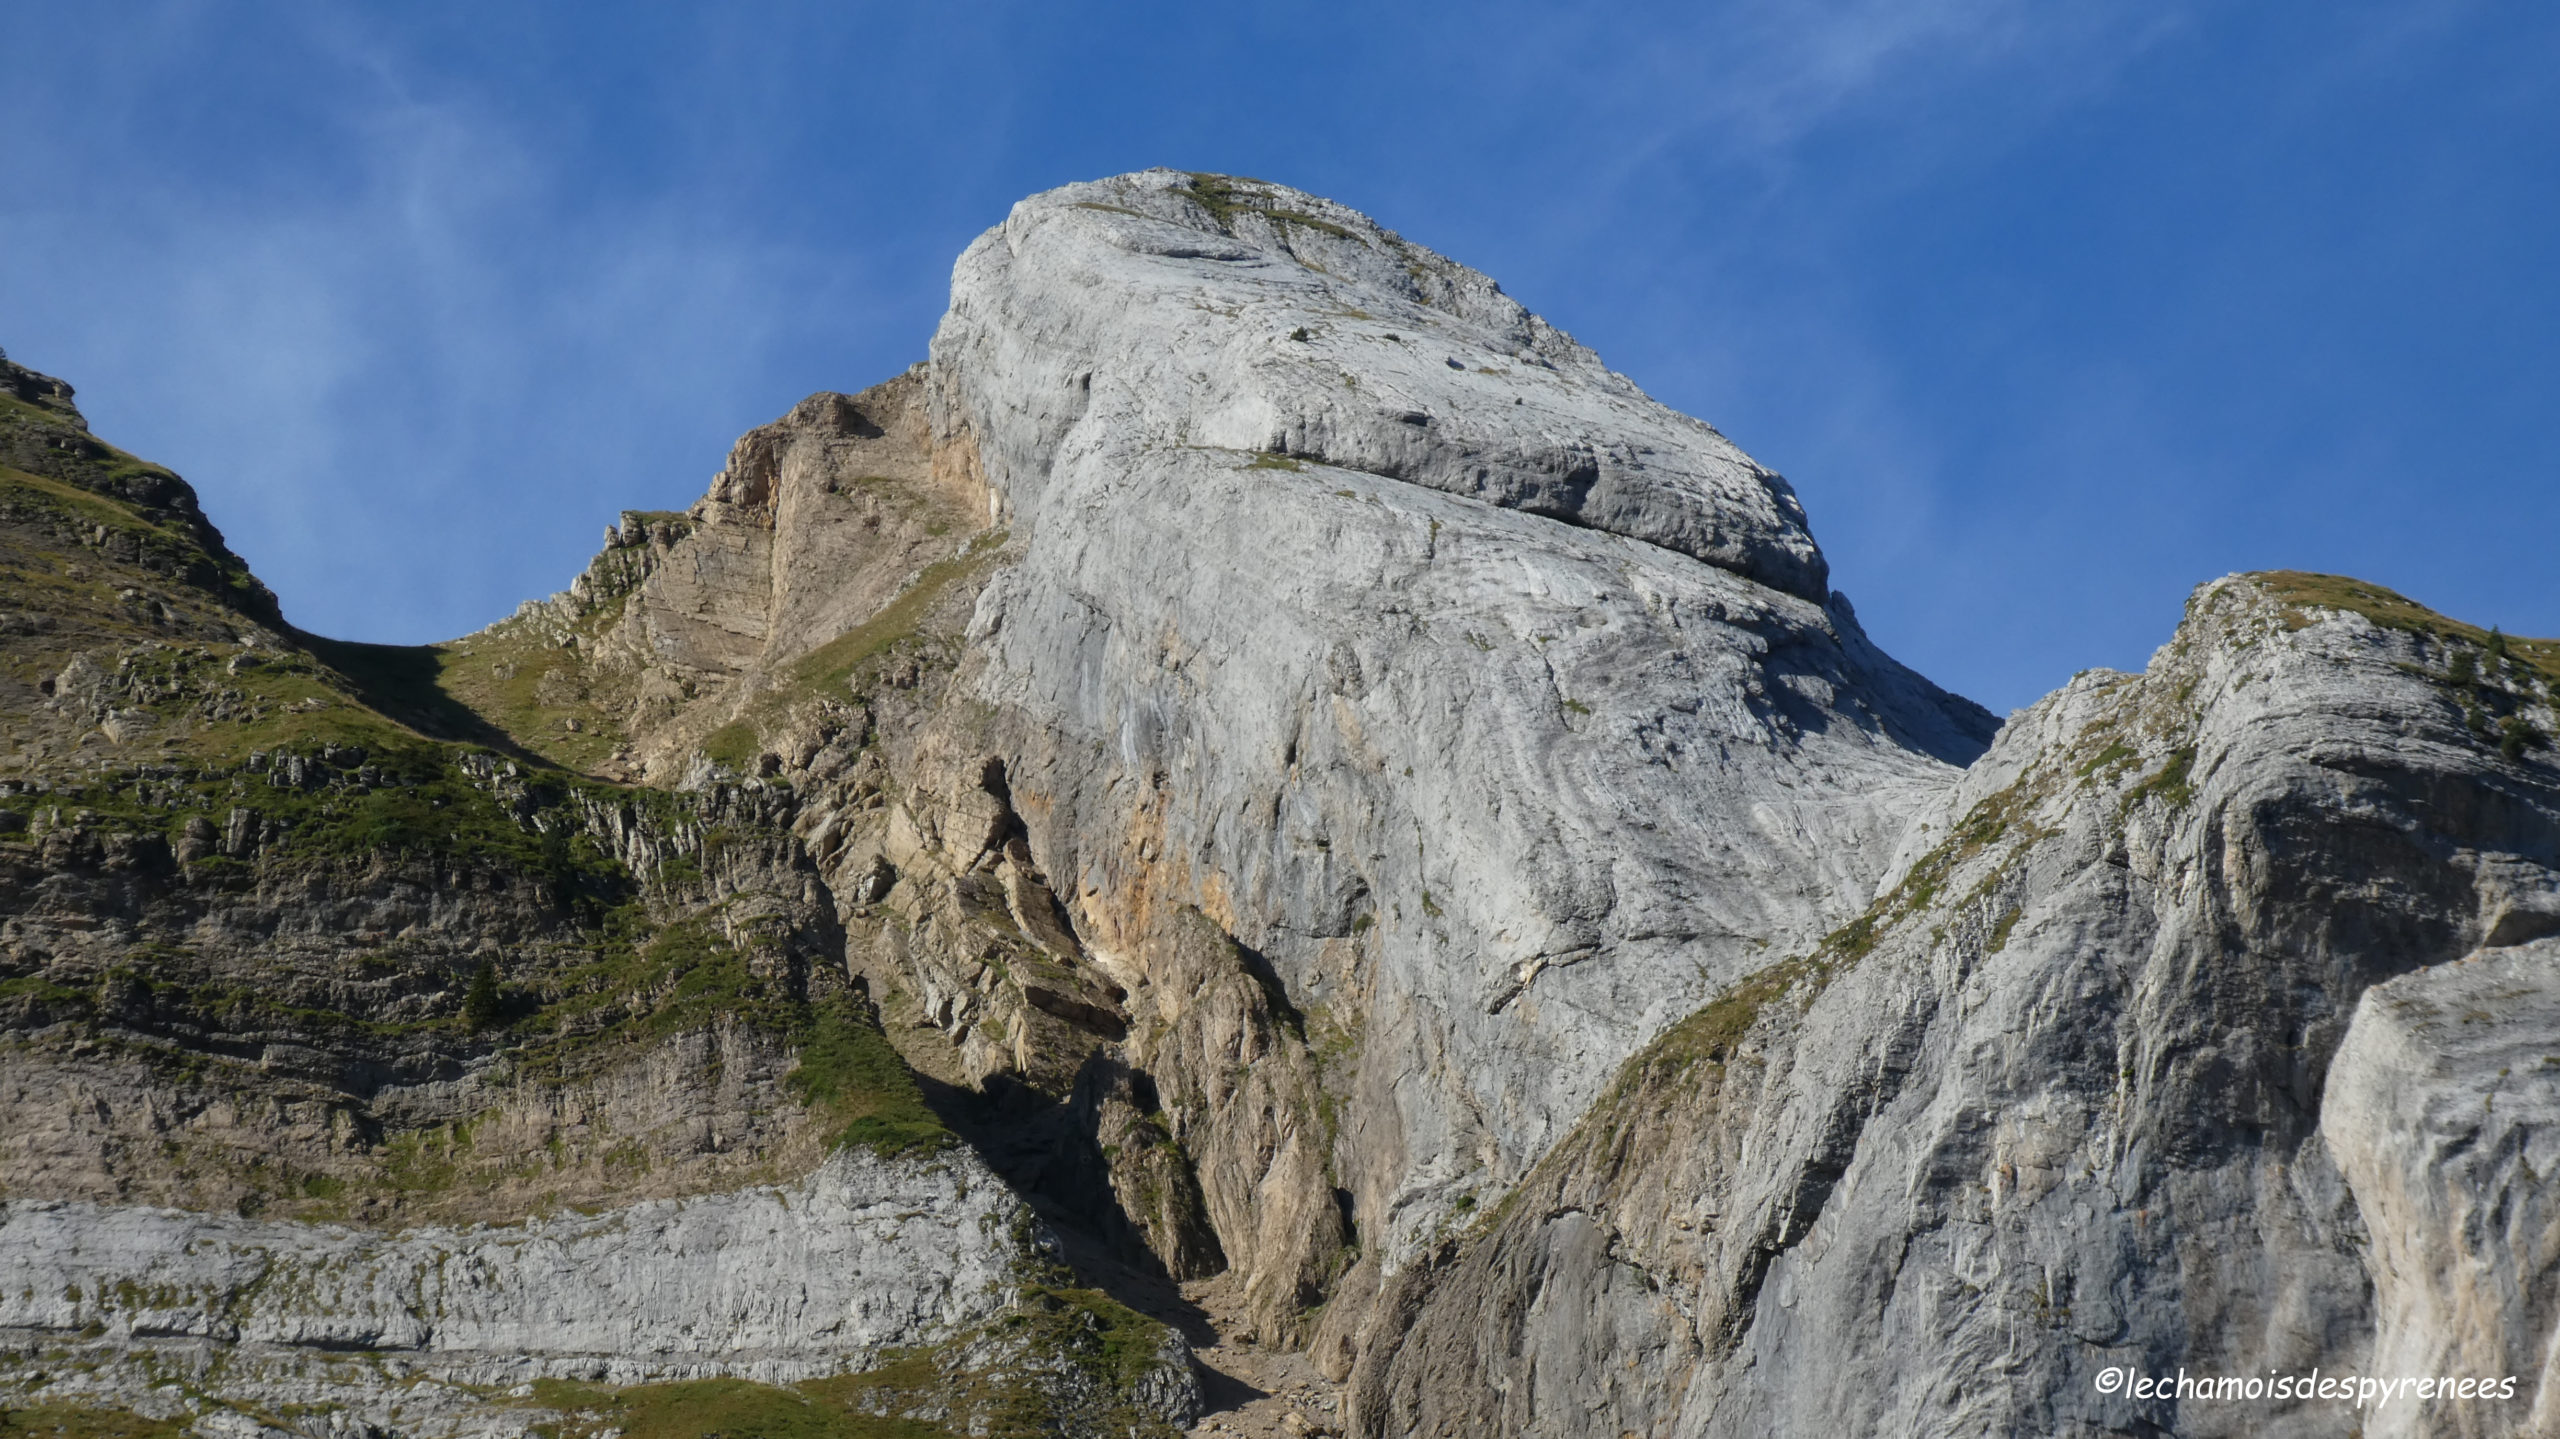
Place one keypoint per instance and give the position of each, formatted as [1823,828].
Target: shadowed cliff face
[1260,766]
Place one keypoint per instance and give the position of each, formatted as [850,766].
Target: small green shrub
[2171,785]
[2516,734]
[482,1006]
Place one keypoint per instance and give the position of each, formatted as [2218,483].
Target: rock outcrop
[2442,1111]
[1261,774]
[2056,1104]
[880,1253]
[1495,712]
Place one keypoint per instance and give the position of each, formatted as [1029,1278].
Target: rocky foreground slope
[2202,1025]
[1262,774]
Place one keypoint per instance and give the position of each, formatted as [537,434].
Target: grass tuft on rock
[2301,591]
[848,1067]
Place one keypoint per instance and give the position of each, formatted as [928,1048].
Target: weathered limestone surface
[227,1022]
[1324,785]
[1501,711]
[1155,312]
[2056,1104]
[815,528]
[775,1283]
[2443,1109]
[433,1331]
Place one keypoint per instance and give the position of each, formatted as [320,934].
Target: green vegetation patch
[1711,1035]
[1227,196]
[1010,1388]
[2301,591]
[2172,786]
[1114,1344]
[53,469]
[513,687]
[719,1409]
[641,985]
[406,683]
[77,1421]
[2000,932]
[848,1068]
[1106,1344]
[397,796]
[2116,754]
[39,496]
[2492,674]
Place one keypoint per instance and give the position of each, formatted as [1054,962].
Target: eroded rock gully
[1263,799]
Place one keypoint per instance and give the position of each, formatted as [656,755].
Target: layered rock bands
[1260,795]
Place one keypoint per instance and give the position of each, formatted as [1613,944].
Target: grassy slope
[214,690]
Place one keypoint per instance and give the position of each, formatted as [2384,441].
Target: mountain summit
[1259,835]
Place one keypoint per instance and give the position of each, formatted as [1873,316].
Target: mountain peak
[1224,314]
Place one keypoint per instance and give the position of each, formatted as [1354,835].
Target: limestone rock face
[1311,812]
[432,1331]
[779,1282]
[2443,1111]
[238,1014]
[1410,736]
[692,631]
[2056,1104]
[1498,710]
[1171,312]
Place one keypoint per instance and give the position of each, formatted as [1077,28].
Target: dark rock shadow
[405,683]
[1223,1393]
[1044,1150]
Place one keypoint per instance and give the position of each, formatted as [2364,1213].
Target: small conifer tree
[480,1003]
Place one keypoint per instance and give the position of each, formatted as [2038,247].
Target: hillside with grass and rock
[1259,842]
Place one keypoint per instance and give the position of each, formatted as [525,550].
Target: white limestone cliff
[1334,790]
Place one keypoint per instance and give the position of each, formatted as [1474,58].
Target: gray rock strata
[777,1284]
[1312,781]
[2443,1111]
[2056,1105]
[1499,710]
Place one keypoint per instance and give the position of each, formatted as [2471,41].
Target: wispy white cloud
[420,301]
[1804,65]
[412,375]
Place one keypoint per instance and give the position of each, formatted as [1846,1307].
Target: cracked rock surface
[2173,1043]
[1259,802]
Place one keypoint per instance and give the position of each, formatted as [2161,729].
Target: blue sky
[2049,311]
